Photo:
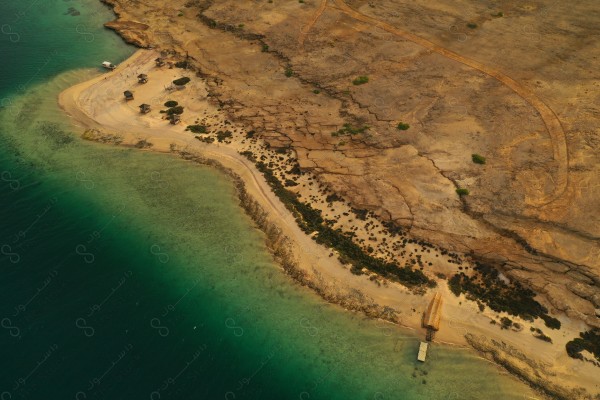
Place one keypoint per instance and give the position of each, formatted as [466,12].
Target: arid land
[517,89]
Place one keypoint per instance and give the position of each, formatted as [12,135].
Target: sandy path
[551,121]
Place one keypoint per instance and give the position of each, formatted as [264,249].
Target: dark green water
[130,275]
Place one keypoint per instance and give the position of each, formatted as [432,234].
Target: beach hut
[175,119]
[142,78]
[128,95]
[145,108]
[159,62]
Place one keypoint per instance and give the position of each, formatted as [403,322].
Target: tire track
[551,121]
[311,23]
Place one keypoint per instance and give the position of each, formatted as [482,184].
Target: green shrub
[462,192]
[471,25]
[361,80]
[478,159]
[551,322]
[289,72]
[402,126]
[181,81]
[205,139]
[540,335]
[171,103]
[175,110]
[196,128]
[333,197]
[506,322]
[348,129]
[182,64]
[249,155]
[295,170]
[223,135]
[360,213]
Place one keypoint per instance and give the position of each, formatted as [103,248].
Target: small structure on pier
[175,119]
[432,316]
[145,108]
[128,95]
[422,351]
[159,62]
[142,78]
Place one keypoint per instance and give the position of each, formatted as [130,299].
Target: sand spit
[98,108]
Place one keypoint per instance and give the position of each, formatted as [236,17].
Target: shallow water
[132,275]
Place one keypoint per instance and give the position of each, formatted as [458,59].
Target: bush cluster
[223,135]
[478,159]
[512,298]
[196,128]
[181,81]
[589,341]
[175,110]
[311,220]
[348,129]
[361,80]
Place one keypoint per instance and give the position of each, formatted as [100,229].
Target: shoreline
[297,253]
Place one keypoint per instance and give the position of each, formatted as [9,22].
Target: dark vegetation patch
[360,213]
[478,159]
[183,64]
[589,341]
[196,128]
[402,126]
[311,221]
[181,81]
[333,197]
[175,110]
[361,80]
[348,129]
[222,135]
[485,285]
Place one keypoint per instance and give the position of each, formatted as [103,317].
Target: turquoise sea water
[131,275]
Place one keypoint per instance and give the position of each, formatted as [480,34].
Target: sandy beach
[99,112]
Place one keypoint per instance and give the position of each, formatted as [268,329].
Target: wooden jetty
[431,322]
[432,316]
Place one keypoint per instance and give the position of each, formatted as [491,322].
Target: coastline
[300,256]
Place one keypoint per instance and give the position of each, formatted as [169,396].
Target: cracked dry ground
[453,111]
